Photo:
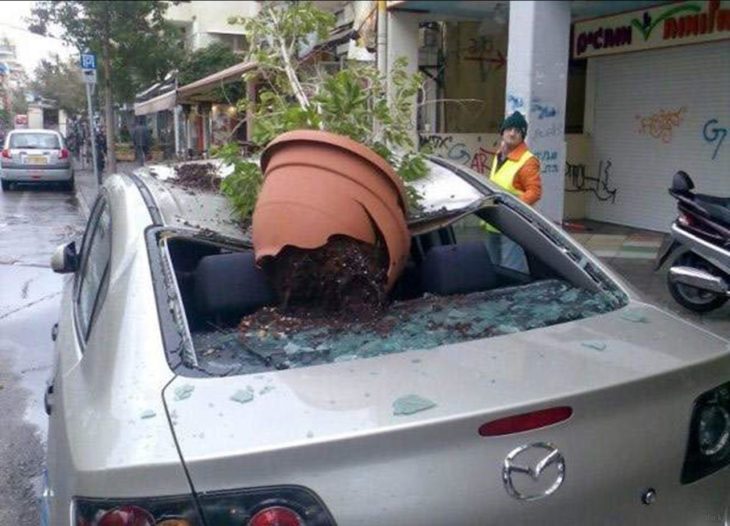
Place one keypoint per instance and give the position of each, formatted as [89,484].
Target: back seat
[230,286]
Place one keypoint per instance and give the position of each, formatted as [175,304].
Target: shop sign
[663,26]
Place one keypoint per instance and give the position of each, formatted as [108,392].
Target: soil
[198,176]
[342,282]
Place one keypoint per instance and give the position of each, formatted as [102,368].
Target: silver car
[35,156]
[484,395]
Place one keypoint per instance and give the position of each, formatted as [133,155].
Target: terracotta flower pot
[318,185]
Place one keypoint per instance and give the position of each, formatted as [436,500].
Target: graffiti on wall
[661,124]
[542,110]
[714,134]
[477,158]
[548,161]
[514,102]
[576,180]
[482,50]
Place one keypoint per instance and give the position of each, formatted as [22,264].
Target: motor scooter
[699,247]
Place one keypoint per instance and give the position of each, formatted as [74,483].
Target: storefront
[658,85]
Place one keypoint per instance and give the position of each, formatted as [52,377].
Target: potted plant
[329,168]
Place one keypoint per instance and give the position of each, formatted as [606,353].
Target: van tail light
[525,421]
[63,154]
[6,153]
[269,506]
[708,447]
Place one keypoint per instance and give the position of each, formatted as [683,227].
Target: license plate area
[36,159]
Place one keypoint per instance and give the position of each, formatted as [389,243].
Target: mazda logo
[533,471]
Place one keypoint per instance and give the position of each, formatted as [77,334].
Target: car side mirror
[65,259]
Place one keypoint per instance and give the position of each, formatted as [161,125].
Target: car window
[503,251]
[34,140]
[96,254]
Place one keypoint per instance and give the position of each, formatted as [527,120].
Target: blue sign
[88,61]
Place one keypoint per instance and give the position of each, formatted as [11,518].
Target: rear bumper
[37,174]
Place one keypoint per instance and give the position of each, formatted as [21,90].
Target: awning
[215,80]
[163,102]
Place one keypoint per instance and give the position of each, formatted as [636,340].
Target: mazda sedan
[35,156]
[481,395]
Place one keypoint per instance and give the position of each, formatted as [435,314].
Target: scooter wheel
[692,298]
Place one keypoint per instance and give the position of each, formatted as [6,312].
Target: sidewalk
[631,253]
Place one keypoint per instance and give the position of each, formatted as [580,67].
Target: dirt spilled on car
[198,176]
[341,282]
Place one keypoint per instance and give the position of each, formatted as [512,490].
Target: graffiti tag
[576,180]
[480,160]
[515,102]
[459,153]
[543,110]
[480,50]
[711,133]
[661,124]
[547,132]
[434,141]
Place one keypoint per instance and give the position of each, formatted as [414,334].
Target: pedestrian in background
[100,139]
[141,141]
[517,170]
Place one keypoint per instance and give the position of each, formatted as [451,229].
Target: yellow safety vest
[505,176]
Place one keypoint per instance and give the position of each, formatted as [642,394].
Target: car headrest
[231,285]
[458,269]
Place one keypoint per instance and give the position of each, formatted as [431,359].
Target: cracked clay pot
[317,185]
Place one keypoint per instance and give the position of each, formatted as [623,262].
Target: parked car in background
[35,156]
[483,395]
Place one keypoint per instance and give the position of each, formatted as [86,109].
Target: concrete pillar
[403,42]
[537,81]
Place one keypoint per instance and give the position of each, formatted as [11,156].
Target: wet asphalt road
[33,221]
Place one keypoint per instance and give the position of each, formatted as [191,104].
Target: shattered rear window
[420,324]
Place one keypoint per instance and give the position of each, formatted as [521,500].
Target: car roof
[33,130]
[448,192]
[183,207]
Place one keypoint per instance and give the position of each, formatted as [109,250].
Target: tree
[135,43]
[295,92]
[203,62]
[60,81]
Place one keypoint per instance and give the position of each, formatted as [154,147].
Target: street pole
[97,175]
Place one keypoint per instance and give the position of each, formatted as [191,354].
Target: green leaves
[243,185]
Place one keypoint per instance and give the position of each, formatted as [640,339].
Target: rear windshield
[237,330]
[34,140]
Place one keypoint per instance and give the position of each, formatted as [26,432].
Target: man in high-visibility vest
[516,170]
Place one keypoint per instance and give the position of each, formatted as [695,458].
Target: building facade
[618,95]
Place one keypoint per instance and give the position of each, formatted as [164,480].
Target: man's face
[512,137]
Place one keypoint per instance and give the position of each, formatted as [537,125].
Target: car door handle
[48,399]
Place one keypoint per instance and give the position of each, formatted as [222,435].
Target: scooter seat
[717,207]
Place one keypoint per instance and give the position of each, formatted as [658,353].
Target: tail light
[63,154]
[270,506]
[708,448]
[6,153]
[525,421]
[276,516]
[685,219]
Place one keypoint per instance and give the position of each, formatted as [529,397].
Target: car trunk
[343,431]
